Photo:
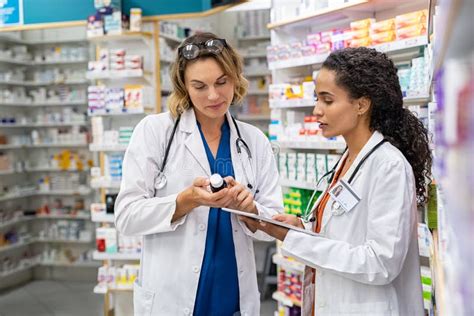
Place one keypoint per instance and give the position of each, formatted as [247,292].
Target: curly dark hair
[365,72]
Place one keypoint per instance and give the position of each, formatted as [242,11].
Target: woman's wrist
[185,202]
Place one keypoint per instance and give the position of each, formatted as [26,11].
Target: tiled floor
[59,298]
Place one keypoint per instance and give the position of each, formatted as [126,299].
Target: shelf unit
[63,98]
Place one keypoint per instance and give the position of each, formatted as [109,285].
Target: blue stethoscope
[240,144]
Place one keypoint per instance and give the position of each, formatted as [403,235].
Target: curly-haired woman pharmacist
[365,259]
[196,258]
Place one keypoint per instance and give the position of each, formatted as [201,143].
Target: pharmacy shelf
[58,62]
[294,103]
[118,74]
[16,221]
[285,300]
[54,169]
[118,112]
[166,60]
[288,264]
[73,145]
[15,196]
[14,246]
[115,147]
[127,36]
[17,270]
[340,14]
[5,60]
[40,84]
[92,264]
[257,92]
[254,38]
[107,218]
[61,241]
[299,184]
[104,184]
[260,73]
[45,104]
[43,125]
[418,100]
[172,38]
[255,55]
[63,217]
[297,144]
[115,256]
[391,48]
[55,42]
[63,192]
[253,117]
[100,289]
[7,172]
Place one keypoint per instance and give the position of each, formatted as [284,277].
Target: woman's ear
[364,104]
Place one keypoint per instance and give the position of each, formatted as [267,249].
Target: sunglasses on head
[193,50]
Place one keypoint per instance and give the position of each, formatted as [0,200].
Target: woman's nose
[317,110]
[213,95]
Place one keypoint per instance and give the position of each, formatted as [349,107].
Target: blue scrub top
[218,288]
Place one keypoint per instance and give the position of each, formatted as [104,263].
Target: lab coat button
[186,311]
[202,227]
[196,269]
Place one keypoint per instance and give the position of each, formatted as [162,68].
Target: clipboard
[271,221]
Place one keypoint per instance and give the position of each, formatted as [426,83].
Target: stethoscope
[239,144]
[309,217]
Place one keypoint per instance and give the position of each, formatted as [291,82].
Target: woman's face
[336,112]
[211,91]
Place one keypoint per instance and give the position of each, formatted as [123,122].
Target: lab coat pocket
[142,300]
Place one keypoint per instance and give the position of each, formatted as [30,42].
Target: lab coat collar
[371,143]
[193,141]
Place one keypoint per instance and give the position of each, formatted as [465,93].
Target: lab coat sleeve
[269,199]
[391,222]
[137,210]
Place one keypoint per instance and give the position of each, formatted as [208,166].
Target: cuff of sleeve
[172,199]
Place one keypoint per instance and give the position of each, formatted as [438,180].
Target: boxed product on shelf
[106,239]
[411,24]
[117,277]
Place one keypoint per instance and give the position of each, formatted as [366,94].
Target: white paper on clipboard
[271,221]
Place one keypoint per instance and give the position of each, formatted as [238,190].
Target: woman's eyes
[219,83]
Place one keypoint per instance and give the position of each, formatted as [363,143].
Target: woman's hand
[198,195]
[242,198]
[275,231]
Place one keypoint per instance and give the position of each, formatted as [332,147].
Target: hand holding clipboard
[271,221]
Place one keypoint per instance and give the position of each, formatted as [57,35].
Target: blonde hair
[229,60]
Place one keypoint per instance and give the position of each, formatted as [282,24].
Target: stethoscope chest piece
[161,183]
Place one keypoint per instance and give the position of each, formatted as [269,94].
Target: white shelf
[175,39]
[391,47]
[115,256]
[14,246]
[418,100]
[118,112]
[55,41]
[253,117]
[257,92]
[288,264]
[58,62]
[57,145]
[63,192]
[92,264]
[116,147]
[46,104]
[126,36]
[7,172]
[104,184]
[16,271]
[285,300]
[14,196]
[257,73]
[117,74]
[63,217]
[294,103]
[55,169]
[107,218]
[62,241]
[255,55]
[16,221]
[329,145]
[45,125]
[99,289]
[298,184]
[254,38]
[14,61]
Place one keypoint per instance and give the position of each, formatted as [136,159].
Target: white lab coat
[173,252]
[367,260]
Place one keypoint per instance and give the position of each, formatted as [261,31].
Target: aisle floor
[59,298]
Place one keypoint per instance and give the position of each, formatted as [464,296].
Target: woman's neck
[356,140]
[209,126]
